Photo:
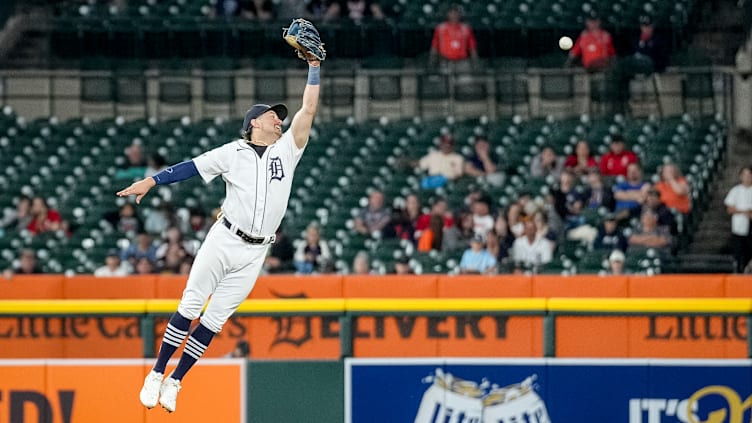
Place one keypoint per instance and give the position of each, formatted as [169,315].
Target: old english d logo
[275,169]
[294,330]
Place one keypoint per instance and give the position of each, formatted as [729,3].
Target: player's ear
[254,124]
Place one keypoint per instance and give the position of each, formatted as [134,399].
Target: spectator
[113,266]
[374,217]
[20,218]
[144,266]
[610,237]
[155,163]
[616,263]
[172,259]
[530,249]
[631,194]
[543,230]
[142,248]
[43,219]
[404,219]
[515,220]
[482,163]
[160,218]
[651,50]
[27,265]
[281,254]
[356,10]
[504,236]
[321,9]
[650,235]
[594,46]
[402,266]
[597,193]
[126,220]
[580,162]
[312,253]
[443,163]
[738,204]
[135,164]
[476,259]
[453,43]
[457,237]
[618,158]
[665,216]
[242,350]
[439,208]
[198,224]
[361,264]
[432,237]
[174,238]
[260,10]
[483,222]
[185,265]
[546,163]
[568,201]
[674,188]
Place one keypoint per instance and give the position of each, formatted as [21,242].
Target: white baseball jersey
[257,188]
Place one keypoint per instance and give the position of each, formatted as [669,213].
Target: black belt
[245,237]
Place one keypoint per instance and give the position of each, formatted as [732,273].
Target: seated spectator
[356,10]
[143,248]
[144,266]
[321,10]
[155,163]
[505,237]
[432,237]
[453,43]
[617,159]
[476,259]
[113,266]
[198,224]
[247,9]
[631,194]
[594,46]
[361,264]
[543,229]
[43,219]
[546,163]
[185,265]
[18,219]
[281,254]
[134,166]
[457,237]
[568,200]
[160,218]
[172,259]
[498,246]
[616,263]
[438,208]
[665,216]
[482,163]
[580,162]
[483,222]
[598,193]
[515,220]
[404,219]
[650,235]
[173,237]
[530,249]
[125,220]
[443,163]
[674,188]
[374,217]
[651,50]
[313,253]
[610,237]
[402,266]
[260,10]
[27,265]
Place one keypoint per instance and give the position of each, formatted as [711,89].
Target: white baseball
[565,43]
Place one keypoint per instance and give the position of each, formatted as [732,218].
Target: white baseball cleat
[168,394]
[150,391]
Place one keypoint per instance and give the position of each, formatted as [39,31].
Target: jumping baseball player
[258,171]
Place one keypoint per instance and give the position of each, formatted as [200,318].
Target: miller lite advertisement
[548,391]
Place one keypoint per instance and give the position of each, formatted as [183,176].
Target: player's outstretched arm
[175,173]
[303,119]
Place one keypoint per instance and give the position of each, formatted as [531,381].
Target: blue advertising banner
[547,391]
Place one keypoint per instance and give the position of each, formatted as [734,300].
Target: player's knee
[190,313]
[213,323]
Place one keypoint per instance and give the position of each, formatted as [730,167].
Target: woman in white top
[739,205]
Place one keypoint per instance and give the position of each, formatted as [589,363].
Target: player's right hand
[139,189]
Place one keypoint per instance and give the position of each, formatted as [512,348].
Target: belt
[248,238]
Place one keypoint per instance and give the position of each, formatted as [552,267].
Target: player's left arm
[175,173]
[303,119]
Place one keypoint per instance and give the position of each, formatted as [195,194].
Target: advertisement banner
[85,391]
[547,391]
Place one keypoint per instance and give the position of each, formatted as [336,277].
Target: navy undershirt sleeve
[176,173]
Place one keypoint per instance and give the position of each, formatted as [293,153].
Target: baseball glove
[304,37]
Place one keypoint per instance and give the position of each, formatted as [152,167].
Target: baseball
[565,43]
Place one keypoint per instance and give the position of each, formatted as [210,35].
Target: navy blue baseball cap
[259,109]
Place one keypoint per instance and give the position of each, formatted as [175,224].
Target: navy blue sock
[194,348]
[177,330]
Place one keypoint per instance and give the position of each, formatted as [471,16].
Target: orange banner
[85,391]
[652,337]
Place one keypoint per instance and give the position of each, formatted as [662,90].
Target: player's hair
[246,134]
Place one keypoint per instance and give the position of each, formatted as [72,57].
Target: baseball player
[258,171]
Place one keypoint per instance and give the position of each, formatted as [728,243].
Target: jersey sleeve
[214,162]
[289,142]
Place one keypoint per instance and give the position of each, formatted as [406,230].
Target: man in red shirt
[453,41]
[615,162]
[594,45]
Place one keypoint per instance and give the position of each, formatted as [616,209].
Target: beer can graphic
[515,403]
[451,400]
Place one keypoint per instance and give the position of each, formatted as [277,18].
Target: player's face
[269,122]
